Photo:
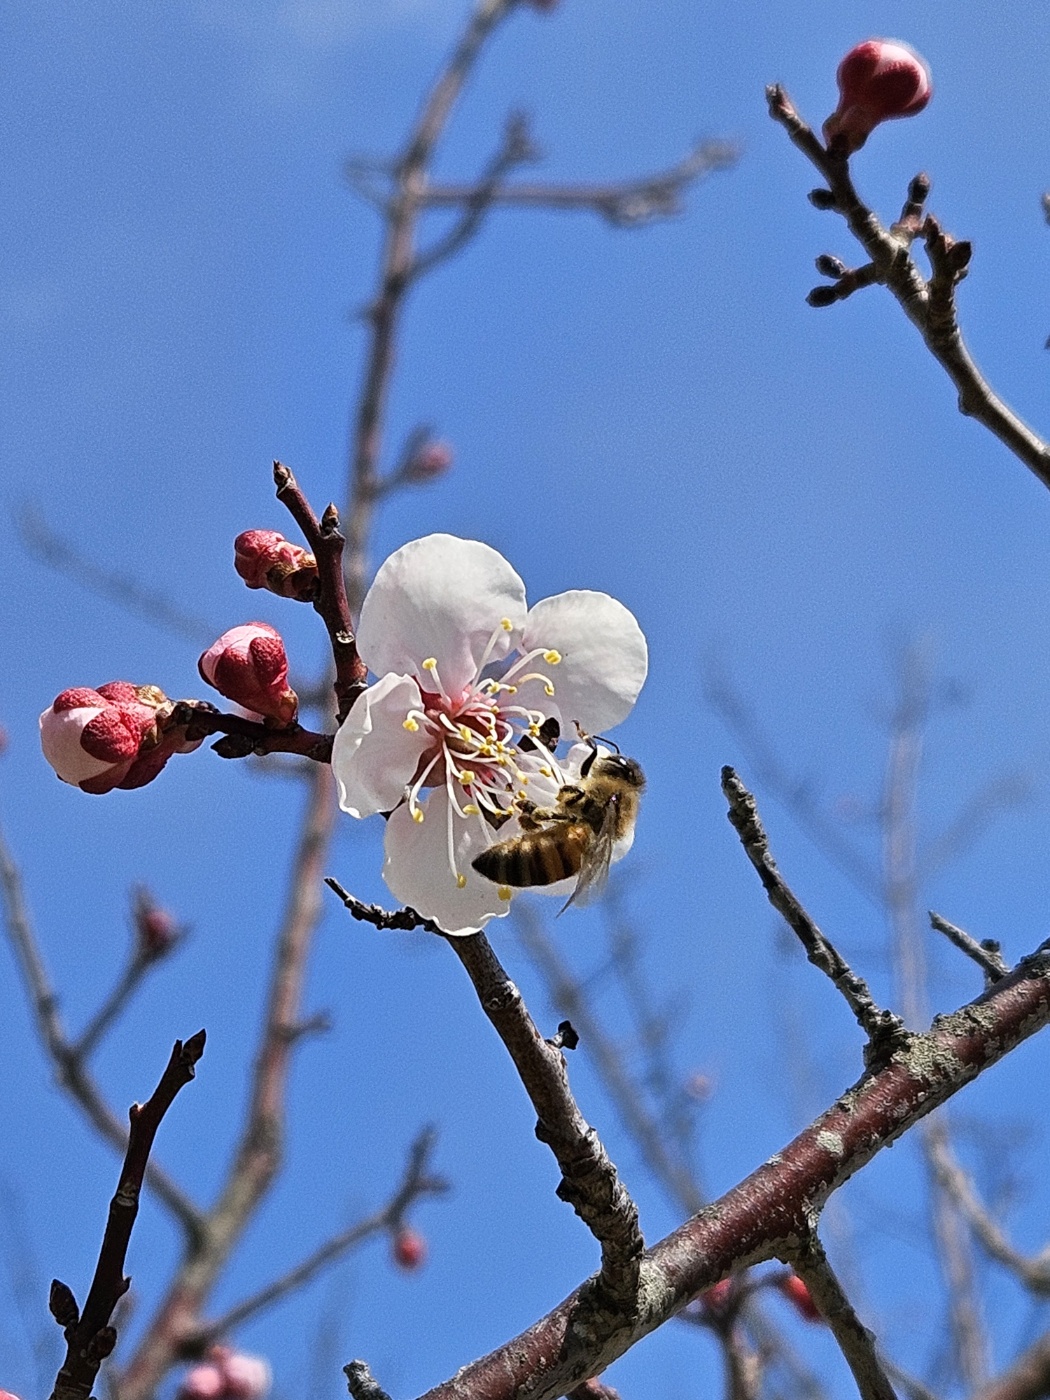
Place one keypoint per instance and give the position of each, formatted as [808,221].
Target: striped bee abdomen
[536,857]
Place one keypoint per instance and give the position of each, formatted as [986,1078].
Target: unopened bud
[878,80]
[115,736]
[430,460]
[247,1377]
[797,1293]
[410,1249]
[155,928]
[716,1299]
[249,666]
[265,559]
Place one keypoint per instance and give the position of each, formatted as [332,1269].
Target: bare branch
[403,919]
[856,1343]
[361,1384]
[416,1183]
[128,593]
[884,1030]
[247,736]
[89,1335]
[1033,1272]
[589,1179]
[1028,1378]
[753,1221]
[624,203]
[985,954]
[71,1070]
[928,304]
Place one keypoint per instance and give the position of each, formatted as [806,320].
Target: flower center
[477,753]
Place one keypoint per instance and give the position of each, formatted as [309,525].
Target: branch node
[62,1304]
[361,1384]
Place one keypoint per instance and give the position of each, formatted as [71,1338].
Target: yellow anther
[545,772]
[506,624]
[417,814]
[465,734]
[430,664]
[466,777]
[512,689]
[548,688]
[470,810]
[461,881]
[410,725]
[534,730]
[552,657]
[504,892]
[522,796]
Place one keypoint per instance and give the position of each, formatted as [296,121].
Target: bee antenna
[602,740]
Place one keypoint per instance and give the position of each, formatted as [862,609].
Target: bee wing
[594,872]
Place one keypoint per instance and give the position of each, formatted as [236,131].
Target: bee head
[616,766]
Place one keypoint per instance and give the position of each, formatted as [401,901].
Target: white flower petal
[418,873]
[604,658]
[60,735]
[443,597]
[374,755]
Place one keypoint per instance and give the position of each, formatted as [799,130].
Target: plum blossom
[879,80]
[249,666]
[226,1374]
[451,734]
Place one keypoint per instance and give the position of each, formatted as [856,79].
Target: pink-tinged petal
[374,756]
[246,1377]
[604,658]
[203,1382]
[418,873]
[440,597]
[60,735]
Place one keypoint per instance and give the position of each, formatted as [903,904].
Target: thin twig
[855,1342]
[401,919]
[929,305]
[624,203]
[884,1030]
[1034,1271]
[777,1201]
[589,1183]
[90,1336]
[1027,1378]
[985,954]
[71,1070]
[247,736]
[416,1182]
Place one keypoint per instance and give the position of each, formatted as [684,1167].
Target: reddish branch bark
[774,1209]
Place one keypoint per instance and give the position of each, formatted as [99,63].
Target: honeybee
[574,837]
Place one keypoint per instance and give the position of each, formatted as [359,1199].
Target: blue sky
[654,413]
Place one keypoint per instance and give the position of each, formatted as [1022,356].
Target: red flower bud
[115,736]
[265,559]
[878,80]
[155,928]
[716,1299]
[796,1291]
[249,666]
[430,460]
[410,1249]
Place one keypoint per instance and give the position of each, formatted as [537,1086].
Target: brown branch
[568,996]
[985,954]
[928,304]
[416,1183]
[589,1179]
[326,541]
[247,736]
[258,1157]
[1028,1378]
[624,203]
[779,1201]
[884,1030]
[90,1336]
[71,1071]
[394,281]
[401,919]
[855,1342]
[1033,1272]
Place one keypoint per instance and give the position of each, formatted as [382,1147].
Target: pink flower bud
[878,80]
[716,1299]
[249,666]
[410,1249]
[430,460]
[111,737]
[796,1291]
[155,928]
[204,1382]
[265,559]
[247,1377]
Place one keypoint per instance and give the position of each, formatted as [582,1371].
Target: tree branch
[884,1030]
[855,1342]
[985,954]
[779,1201]
[1028,1378]
[90,1337]
[928,304]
